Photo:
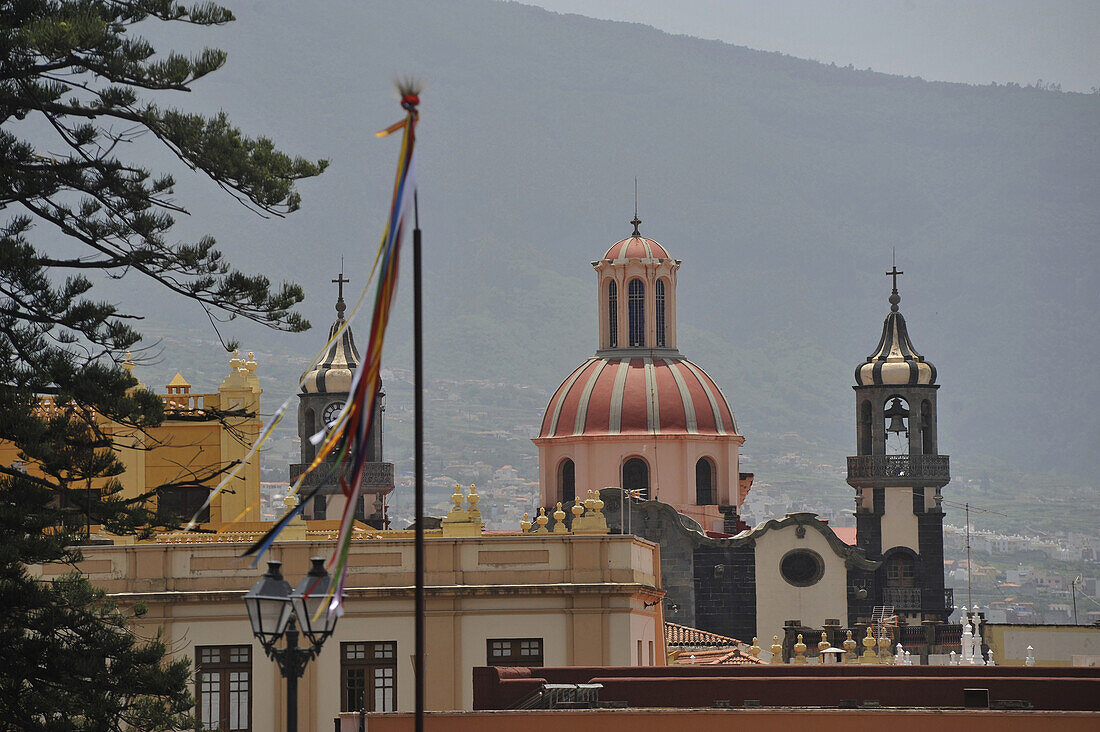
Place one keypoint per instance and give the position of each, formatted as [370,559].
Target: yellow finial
[799,651]
[578,508]
[525,524]
[850,648]
[868,647]
[559,520]
[542,520]
[754,649]
[777,650]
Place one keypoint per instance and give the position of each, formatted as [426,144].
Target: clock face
[331,411]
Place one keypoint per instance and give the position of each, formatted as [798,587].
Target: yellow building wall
[189,449]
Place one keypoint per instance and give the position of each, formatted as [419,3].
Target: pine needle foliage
[78,84]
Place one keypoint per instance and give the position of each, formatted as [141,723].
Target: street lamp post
[275,612]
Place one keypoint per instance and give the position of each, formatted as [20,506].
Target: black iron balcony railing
[377,475]
[934,469]
[909,599]
[902,598]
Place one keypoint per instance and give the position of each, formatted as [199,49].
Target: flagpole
[418,419]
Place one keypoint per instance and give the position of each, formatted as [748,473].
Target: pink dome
[636,247]
[625,396]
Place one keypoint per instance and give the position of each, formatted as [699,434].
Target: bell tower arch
[898,473]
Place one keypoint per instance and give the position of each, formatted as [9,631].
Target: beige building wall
[899,523]
[584,596]
[1054,645]
[598,464]
[778,601]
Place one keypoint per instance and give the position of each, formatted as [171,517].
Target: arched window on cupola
[636,306]
[704,483]
[636,477]
[567,482]
[612,314]
[660,291]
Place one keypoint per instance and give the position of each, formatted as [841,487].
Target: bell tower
[325,388]
[897,473]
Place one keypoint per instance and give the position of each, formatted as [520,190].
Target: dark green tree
[76,86]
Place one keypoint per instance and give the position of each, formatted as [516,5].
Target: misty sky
[971,41]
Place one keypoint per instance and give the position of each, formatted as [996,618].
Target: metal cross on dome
[894,272]
[339,282]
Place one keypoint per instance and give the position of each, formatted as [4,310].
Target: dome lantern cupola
[637,296]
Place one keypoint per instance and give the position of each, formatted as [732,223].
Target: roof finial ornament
[895,298]
[636,221]
[339,282]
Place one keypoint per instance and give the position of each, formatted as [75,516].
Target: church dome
[635,247]
[895,361]
[637,396]
[332,375]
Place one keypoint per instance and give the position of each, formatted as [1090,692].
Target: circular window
[802,567]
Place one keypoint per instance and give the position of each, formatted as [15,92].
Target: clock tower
[324,391]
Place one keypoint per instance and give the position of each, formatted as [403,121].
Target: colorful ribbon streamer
[347,436]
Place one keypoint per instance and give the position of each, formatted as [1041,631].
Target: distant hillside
[782,184]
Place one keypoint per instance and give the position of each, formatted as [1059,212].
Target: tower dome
[333,373]
[895,361]
[637,414]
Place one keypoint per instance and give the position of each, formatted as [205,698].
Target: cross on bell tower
[339,282]
[893,273]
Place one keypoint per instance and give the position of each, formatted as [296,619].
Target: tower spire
[339,282]
[636,221]
[895,298]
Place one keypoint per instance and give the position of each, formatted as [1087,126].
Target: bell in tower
[898,474]
[325,388]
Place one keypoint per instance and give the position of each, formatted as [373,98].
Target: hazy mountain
[782,184]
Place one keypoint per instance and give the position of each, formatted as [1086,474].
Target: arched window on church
[896,416]
[901,571]
[567,482]
[636,476]
[635,298]
[704,483]
[927,434]
[612,314]
[660,313]
[865,427]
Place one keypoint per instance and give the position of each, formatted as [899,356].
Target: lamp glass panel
[306,608]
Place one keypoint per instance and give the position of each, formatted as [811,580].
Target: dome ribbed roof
[333,374]
[636,247]
[624,396]
[895,361]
